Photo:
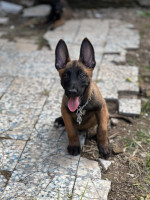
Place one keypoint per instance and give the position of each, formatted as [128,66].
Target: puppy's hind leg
[102,133]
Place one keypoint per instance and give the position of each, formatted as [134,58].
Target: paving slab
[4,84]
[117,58]
[60,187]
[25,45]
[21,106]
[1,34]
[4,20]
[88,168]
[23,188]
[130,107]
[113,79]
[105,163]
[3,182]
[10,7]
[121,36]
[10,151]
[37,11]
[94,188]
[51,109]
[62,33]
[119,73]
[10,58]
[87,29]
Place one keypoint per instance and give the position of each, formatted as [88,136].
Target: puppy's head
[75,75]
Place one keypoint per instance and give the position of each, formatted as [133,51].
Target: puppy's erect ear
[87,56]
[61,55]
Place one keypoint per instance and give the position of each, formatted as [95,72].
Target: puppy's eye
[66,76]
[82,75]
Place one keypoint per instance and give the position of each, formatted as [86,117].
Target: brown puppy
[83,106]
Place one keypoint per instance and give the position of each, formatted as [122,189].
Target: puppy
[82,106]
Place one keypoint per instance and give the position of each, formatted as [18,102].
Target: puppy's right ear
[61,55]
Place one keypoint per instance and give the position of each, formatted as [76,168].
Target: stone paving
[32,151]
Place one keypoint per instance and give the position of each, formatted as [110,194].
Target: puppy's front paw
[74,150]
[59,122]
[104,151]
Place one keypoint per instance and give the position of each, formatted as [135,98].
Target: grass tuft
[146,107]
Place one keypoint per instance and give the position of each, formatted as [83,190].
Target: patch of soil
[130,173]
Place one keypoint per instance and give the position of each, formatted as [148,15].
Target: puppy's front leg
[102,133]
[74,143]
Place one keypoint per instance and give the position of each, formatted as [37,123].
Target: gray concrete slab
[93,188]
[131,107]
[21,106]
[37,11]
[3,182]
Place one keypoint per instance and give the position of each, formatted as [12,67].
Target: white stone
[91,188]
[37,11]
[130,106]
[88,168]
[114,122]
[62,33]
[105,163]
[4,20]
[10,7]
[26,45]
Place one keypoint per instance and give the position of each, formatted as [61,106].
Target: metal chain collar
[79,112]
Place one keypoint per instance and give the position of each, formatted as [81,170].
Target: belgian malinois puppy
[83,106]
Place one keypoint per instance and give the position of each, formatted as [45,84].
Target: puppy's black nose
[73,92]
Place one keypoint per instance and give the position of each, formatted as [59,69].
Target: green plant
[58,194]
[148,160]
[147,180]
[143,13]
[144,136]
[131,62]
[45,92]
[130,143]
[84,191]
[42,43]
[147,67]
[70,195]
[146,107]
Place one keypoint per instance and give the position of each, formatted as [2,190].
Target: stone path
[34,162]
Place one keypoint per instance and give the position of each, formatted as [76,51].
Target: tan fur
[99,118]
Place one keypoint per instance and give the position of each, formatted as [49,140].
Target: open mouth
[73,103]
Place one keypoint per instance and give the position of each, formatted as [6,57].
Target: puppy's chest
[83,115]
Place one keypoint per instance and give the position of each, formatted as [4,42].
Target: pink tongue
[73,103]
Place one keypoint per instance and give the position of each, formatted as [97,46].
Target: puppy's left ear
[87,56]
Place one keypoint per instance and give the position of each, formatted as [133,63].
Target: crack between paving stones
[2,154]
[34,126]
[46,186]
[76,174]
[15,166]
[8,85]
[103,52]
[75,177]
[21,180]
[96,188]
[63,131]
